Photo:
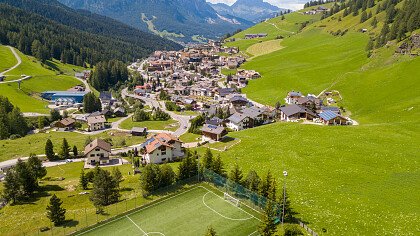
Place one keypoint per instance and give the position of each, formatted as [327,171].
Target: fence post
[86,218]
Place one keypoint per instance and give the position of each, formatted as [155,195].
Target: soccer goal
[231,199]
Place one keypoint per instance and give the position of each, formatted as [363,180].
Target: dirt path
[19,61]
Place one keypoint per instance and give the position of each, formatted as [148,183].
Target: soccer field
[187,213]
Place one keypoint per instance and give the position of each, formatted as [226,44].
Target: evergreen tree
[41,120]
[236,174]
[83,180]
[75,151]
[105,189]
[363,17]
[91,103]
[55,115]
[273,191]
[118,177]
[11,186]
[27,180]
[265,185]
[150,179]
[369,46]
[65,150]
[55,212]
[267,226]
[252,181]
[288,211]
[167,175]
[17,122]
[35,167]
[49,150]
[374,22]
[140,115]
[207,160]
[218,166]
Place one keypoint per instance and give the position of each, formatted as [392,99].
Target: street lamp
[284,196]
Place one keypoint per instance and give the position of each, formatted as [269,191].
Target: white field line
[241,203]
[253,233]
[204,202]
[238,208]
[119,218]
[144,232]
[155,233]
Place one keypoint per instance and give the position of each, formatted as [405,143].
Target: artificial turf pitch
[187,213]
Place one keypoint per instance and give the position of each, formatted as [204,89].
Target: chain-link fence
[250,198]
[82,219]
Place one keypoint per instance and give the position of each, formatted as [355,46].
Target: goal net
[231,199]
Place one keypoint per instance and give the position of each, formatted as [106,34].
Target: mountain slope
[182,17]
[341,179]
[252,10]
[75,36]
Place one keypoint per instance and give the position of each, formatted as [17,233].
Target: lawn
[199,207]
[190,138]
[266,47]
[170,125]
[43,79]
[36,143]
[29,217]
[7,58]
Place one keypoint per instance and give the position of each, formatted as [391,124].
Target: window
[163,159]
[163,153]
[92,155]
[97,149]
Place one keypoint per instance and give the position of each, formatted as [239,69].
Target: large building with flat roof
[76,97]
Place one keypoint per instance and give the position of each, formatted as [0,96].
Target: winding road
[184,121]
[19,61]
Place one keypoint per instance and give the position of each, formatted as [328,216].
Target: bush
[292,230]
[15,136]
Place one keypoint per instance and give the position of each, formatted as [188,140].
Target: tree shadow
[52,65]
[126,189]
[70,223]
[50,187]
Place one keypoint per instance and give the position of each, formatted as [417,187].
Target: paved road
[184,121]
[19,61]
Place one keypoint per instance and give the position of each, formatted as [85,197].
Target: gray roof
[252,112]
[238,99]
[328,115]
[213,129]
[237,117]
[138,130]
[294,109]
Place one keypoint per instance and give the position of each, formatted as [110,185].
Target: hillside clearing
[263,48]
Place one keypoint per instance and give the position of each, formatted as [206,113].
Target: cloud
[290,4]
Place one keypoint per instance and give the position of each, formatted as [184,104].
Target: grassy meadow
[36,143]
[356,180]
[54,76]
[7,58]
[171,125]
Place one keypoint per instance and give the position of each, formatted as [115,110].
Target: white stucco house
[162,148]
[97,152]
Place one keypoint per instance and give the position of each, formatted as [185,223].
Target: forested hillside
[48,29]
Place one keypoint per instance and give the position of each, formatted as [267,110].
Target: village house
[106,99]
[96,122]
[292,97]
[162,148]
[332,118]
[138,131]
[253,36]
[239,122]
[295,112]
[212,132]
[65,124]
[98,152]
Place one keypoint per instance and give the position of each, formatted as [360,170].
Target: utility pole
[284,196]
[198,170]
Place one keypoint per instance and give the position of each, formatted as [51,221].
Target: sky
[289,4]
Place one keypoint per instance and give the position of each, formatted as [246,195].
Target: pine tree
[236,174]
[116,174]
[267,226]
[55,212]
[210,231]
[49,150]
[27,180]
[218,166]
[105,191]
[363,17]
[369,46]
[55,115]
[288,211]
[83,180]
[65,150]
[11,186]
[41,122]
[207,161]
[35,167]
[265,185]
[167,175]
[252,181]
[150,179]
[374,22]
[75,151]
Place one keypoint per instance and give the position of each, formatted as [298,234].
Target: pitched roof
[238,99]
[96,119]
[294,94]
[138,129]
[237,117]
[67,121]
[328,115]
[98,143]
[294,109]
[213,129]
[158,140]
[252,112]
